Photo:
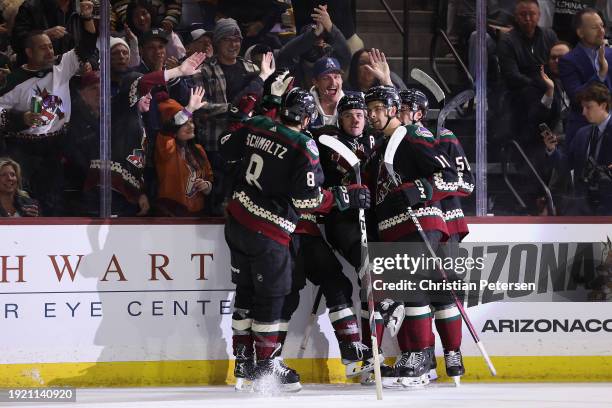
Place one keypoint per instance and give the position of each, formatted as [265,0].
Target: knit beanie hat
[226,27]
[116,41]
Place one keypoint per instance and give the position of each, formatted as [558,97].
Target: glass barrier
[534,138]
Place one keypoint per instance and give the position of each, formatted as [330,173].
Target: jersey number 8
[254,170]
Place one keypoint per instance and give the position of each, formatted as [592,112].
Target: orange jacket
[176,195]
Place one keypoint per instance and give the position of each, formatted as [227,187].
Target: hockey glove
[244,109]
[392,313]
[281,84]
[352,196]
[411,193]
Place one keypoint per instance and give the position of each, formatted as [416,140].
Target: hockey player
[425,179]
[316,262]
[280,177]
[342,228]
[414,108]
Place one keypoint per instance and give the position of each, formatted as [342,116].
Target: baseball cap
[196,34]
[324,66]
[156,33]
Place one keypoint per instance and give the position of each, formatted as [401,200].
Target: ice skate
[244,371]
[357,357]
[271,374]
[454,366]
[388,376]
[392,313]
[413,368]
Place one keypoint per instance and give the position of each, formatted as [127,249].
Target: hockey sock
[365,326]
[344,322]
[267,338]
[242,338]
[415,333]
[448,324]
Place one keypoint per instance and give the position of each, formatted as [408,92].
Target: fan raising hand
[196,99]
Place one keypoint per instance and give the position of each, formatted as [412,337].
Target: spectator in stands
[141,20]
[57,18]
[589,154]
[128,141]
[327,91]
[341,11]
[122,61]
[226,78]
[522,52]
[183,170]
[201,41]
[82,141]
[323,39]
[554,105]
[552,110]
[256,19]
[14,202]
[588,62]
[36,105]
[369,68]
[166,13]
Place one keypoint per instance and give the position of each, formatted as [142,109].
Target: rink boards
[87,303]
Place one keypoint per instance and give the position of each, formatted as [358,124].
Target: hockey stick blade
[429,83]
[340,148]
[453,104]
[392,145]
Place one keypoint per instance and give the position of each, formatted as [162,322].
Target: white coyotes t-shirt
[53,88]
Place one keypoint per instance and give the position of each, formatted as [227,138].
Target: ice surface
[445,395]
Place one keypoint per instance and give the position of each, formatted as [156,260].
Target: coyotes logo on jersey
[190,188]
[384,184]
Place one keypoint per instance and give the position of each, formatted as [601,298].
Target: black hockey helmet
[385,94]
[298,104]
[352,101]
[415,100]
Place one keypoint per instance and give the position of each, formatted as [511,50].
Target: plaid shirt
[212,119]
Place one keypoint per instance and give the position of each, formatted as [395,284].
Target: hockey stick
[453,104]
[392,146]
[429,83]
[311,320]
[364,269]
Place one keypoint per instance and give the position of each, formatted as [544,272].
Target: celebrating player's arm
[439,179]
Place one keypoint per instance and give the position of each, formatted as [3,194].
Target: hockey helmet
[298,104]
[352,101]
[415,100]
[385,94]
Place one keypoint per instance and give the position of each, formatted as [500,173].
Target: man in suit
[586,63]
[589,154]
